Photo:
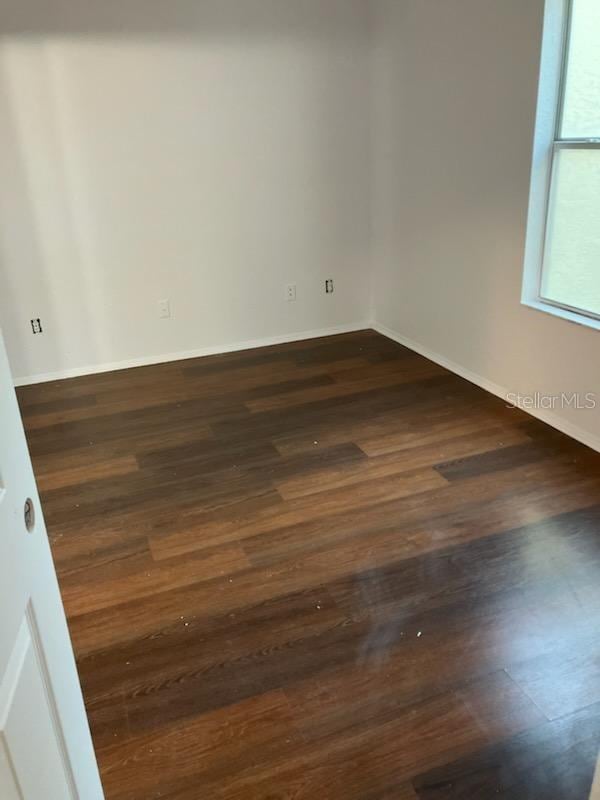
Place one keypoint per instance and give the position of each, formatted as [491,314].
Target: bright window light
[568,256]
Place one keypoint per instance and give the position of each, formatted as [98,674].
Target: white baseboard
[249,344]
[552,419]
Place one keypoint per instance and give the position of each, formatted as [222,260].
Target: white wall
[206,151]
[211,151]
[454,96]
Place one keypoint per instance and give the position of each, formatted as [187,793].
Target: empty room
[300,400]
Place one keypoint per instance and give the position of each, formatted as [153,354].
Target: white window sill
[563,313]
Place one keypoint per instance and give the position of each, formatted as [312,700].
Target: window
[562,268]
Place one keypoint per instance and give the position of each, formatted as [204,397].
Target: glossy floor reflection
[327,569]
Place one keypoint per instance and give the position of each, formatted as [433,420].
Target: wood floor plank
[413,587]
[111,401]
[429,393]
[153,489]
[563,681]
[554,761]
[85,540]
[205,749]
[301,510]
[434,516]
[249,383]
[474,607]
[295,571]
[110,427]
[48,480]
[399,792]
[106,583]
[397,463]
[494,460]
[347,385]
[369,758]
[435,429]
[217,664]
[323,569]
[62,405]
[398,658]
[90,453]
[386,431]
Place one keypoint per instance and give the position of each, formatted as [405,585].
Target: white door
[46,750]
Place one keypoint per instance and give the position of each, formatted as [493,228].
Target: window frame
[547,141]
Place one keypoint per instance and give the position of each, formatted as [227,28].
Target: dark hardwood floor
[326,570]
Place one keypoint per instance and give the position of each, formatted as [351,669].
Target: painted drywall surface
[213,152]
[454,95]
[210,155]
